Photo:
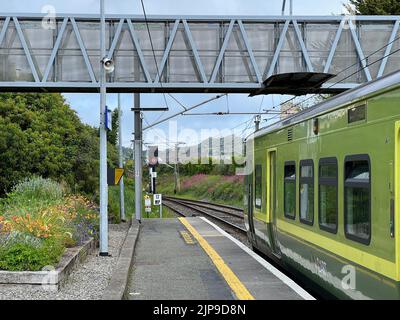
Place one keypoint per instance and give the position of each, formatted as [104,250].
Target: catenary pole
[138,157]
[121,163]
[103,141]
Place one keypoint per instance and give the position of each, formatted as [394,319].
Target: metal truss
[193,53]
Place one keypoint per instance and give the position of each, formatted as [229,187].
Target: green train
[323,198]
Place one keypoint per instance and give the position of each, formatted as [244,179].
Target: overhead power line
[181,112]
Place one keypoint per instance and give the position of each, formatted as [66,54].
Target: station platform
[193,259]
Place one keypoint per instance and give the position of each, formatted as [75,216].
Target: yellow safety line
[232,280]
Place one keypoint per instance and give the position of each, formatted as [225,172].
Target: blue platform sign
[108,119]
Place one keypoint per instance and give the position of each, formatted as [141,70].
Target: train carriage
[323,197]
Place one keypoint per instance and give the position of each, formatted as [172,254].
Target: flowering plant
[39,226]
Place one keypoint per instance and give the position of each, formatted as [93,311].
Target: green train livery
[323,198]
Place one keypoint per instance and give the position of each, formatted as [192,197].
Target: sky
[87,105]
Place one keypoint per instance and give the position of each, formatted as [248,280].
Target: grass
[113,202]
[129,197]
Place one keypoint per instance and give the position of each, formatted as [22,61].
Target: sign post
[147,205]
[157,201]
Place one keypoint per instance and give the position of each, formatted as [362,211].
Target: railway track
[226,215]
[220,208]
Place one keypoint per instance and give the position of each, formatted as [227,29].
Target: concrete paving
[167,267]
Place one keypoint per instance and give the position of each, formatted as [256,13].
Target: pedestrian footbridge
[192,53]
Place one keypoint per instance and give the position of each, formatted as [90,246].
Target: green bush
[21,256]
[37,188]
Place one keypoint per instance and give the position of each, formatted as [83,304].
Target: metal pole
[103,142]
[178,184]
[121,164]
[138,158]
[175,169]
[151,179]
[283,7]
[291,7]
[176,179]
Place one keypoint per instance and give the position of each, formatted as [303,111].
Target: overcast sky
[87,105]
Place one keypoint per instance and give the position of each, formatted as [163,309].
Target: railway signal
[152,159]
[153,156]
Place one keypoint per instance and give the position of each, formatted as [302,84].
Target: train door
[249,205]
[271,201]
[395,207]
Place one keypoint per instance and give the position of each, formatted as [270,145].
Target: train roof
[363,91]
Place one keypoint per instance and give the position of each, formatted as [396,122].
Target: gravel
[87,282]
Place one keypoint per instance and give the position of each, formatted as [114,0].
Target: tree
[41,135]
[374,7]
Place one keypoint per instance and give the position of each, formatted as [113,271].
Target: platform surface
[192,258]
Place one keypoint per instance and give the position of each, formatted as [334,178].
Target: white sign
[154,174]
[157,200]
[147,205]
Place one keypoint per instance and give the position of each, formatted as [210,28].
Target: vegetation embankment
[214,188]
[39,219]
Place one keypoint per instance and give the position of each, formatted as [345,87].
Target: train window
[307,191]
[290,190]
[357,113]
[258,186]
[328,194]
[357,198]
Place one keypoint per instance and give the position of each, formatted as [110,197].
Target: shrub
[20,256]
[14,237]
[37,188]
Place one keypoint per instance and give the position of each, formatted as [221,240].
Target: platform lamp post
[106,66]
